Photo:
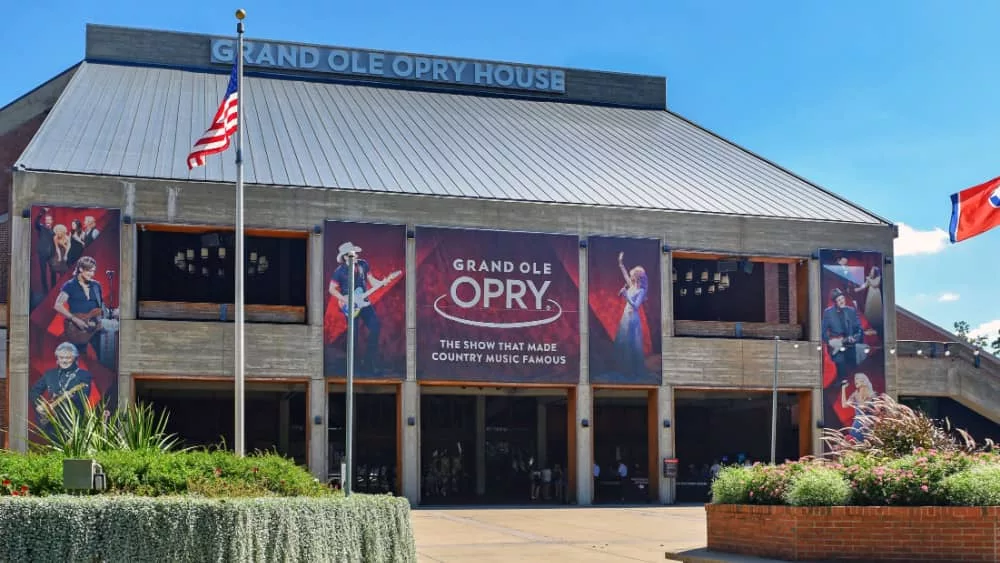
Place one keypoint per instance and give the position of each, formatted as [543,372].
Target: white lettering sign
[393,66]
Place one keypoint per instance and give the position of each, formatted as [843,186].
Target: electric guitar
[50,406]
[77,335]
[361,296]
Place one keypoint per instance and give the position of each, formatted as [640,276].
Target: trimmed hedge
[182,529]
[215,473]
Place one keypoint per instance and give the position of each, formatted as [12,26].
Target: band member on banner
[46,250]
[66,382]
[629,340]
[81,302]
[863,394]
[842,332]
[873,299]
[365,283]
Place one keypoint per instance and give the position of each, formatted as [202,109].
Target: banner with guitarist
[73,319]
[379,299]
[852,330]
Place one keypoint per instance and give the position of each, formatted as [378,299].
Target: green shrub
[731,486]
[64,528]
[913,480]
[977,486]
[759,484]
[819,486]
[155,473]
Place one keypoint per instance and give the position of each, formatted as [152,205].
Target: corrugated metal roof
[141,122]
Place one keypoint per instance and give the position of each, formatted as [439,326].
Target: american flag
[216,138]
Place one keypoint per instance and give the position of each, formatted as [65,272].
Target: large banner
[497,306]
[623,286]
[380,299]
[73,318]
[852,333]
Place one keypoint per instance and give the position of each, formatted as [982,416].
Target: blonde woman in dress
[873,300]
[863,393]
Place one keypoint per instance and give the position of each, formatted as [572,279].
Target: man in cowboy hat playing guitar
[364,285]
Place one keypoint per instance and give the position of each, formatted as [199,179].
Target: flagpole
[349,426]
[239,442]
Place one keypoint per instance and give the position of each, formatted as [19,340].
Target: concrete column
[316,297]
[411,308]
[665,411]
[815,301]
[125,384]
[889,327]
[127,274]
[542,435]
[584,445]
[667,295]
[584,318]
[817,408]
[20,263]
[318,439]
[480,445]
[284,423]
[410,472]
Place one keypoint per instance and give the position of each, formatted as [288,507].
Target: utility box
[82,475]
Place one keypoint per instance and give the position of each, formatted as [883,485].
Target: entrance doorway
[202,413]
[621,446]
[376,444]
[502,446]
[730,427]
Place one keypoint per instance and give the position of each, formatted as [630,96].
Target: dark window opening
[719,290]
[199,268]
[784,304]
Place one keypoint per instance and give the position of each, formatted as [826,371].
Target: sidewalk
[641,533]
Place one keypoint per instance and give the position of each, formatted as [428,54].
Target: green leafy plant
[73,431]
[139,427]
[819,486]
[82,432]
[977,486]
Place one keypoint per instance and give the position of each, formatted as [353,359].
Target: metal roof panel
[137,121]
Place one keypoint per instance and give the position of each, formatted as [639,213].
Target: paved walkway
[480,535]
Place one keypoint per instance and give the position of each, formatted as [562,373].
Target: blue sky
[891,104]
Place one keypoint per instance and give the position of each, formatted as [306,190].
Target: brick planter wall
[859,533]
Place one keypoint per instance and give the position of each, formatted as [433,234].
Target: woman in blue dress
[863,393]
[629,340]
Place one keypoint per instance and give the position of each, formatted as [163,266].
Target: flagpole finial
[240,14]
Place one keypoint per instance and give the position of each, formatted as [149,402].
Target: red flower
[13,493]
[24,488]
[6,482]
[218,472]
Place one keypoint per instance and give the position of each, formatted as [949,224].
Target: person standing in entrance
[597,477]
[365,283]
[622,478]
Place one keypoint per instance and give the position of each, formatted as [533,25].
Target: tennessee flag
[975,210]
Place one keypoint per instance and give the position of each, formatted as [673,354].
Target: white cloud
[948,297]
[911,242]
[987,329]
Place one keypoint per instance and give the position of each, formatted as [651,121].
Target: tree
[981,341]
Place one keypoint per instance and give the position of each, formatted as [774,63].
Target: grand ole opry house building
[558,273]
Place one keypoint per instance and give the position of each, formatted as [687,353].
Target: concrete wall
[110,43]
[294,351]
